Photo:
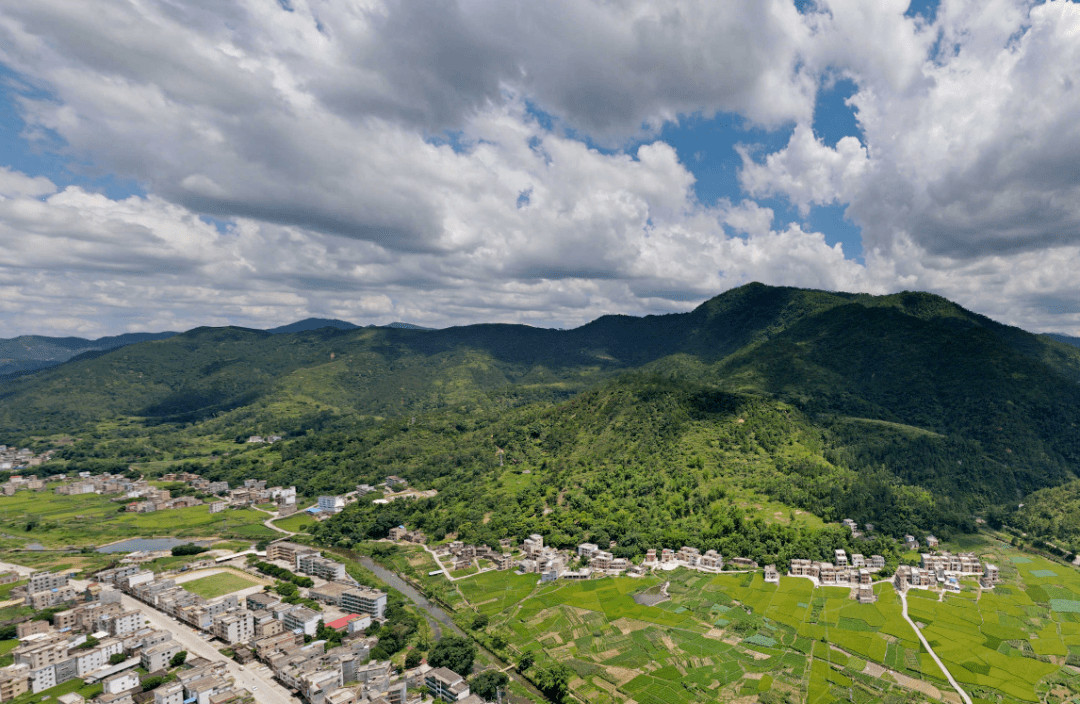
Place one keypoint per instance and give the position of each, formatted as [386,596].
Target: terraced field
[722,637]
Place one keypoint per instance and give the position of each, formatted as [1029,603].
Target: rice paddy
[724,637]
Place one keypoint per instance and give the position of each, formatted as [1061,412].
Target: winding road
[926,644]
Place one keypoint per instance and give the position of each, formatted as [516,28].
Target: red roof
[342,622]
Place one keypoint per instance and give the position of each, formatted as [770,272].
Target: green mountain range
[906,411]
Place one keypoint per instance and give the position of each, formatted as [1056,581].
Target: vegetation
[188,549]
[741,426]
[178,659]
[456,653]
[487,684]
[219,584]
[268,568]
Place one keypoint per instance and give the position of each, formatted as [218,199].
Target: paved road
[258,681]
[948,675]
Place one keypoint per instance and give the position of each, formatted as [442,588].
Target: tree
[527,660]
[187,549]
[453,652]
[413,658]
[480,622]
[152,683]
[487,684]
[8,633]
[117,658]
[178,659]
[554,681]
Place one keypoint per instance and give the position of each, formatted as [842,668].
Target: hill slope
[33,352]
[916,402]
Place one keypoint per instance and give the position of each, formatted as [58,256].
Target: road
[926,644]
[253,677]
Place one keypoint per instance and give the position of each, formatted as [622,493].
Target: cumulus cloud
[369,158]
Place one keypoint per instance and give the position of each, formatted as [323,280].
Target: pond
[141,544]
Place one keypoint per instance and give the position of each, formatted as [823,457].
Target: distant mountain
[320,323]
[405,326]
[33,352]
[314,324]
[1067,339]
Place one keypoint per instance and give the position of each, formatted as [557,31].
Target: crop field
[723,637]
[219,584]
[296,523]
[55,520]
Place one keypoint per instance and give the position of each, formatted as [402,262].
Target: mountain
[405,326]
[905,410]
[32,352]
[1067,339]
[313,324]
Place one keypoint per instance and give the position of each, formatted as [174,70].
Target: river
[436,616]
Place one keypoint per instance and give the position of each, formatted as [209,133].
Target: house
[446,684]
[771,575]
[121,682]
[910,542]
[585,551]
[331,504]
[990,576]
[14,681]
[395,483]
[858,560]
[877,562]
[172,693]
[218,506]
[157,657]
[840,558]
[931,541]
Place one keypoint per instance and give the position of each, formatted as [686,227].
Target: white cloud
[310,132]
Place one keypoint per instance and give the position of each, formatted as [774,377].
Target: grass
[296,523]
[55,520]
[218,584]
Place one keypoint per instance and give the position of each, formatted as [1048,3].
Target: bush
[178,659]
[188,549]
[117,658]
[413,658]
[487,684]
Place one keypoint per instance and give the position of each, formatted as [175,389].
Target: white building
[331,504]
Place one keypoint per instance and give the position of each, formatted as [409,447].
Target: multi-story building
[14,681]
[772,576]
[92,659]
[446,684]
[50,597]
[329,593]
[877,562]
[261,601]
[43,581]
[122,623]
[157,657]
[364,600]
[331,504]
[120,682]
[235,627]
[314,564]
[533,544]
[286,551]
[172,693]
[303,619]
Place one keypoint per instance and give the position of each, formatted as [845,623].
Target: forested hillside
[906,411]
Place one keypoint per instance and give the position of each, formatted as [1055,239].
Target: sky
[165,165]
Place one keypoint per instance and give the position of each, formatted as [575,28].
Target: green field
[218,584]
[722,637]
[296,522]
[55,520]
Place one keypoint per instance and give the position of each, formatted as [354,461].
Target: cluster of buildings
[20,458]
[857,573]
[944,569]
[465,555]
[45,589]
[15,482]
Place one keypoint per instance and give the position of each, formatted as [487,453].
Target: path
[926,644]
[269,522]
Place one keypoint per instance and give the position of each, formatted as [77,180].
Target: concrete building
[14,681]
[331,504]
[120,682]
[302,618]
[317,566]
[364,600]
[286,551]
[172,693]
[772,576]
[446,684]
[157,657]
[235,627]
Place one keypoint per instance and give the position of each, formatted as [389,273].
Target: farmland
[722,637]
[55,520]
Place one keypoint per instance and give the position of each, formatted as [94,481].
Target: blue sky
[255,164]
